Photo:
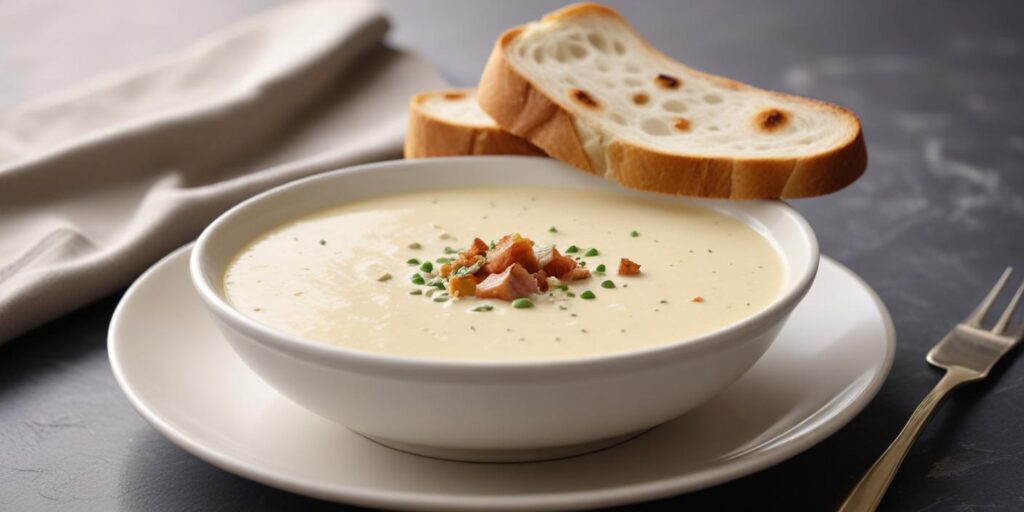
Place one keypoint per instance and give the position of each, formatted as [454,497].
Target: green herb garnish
[552,229]
[417,279]
[444,260]
[450,250]
[634,233]
[600,268]
[384,277]
[563,287]
[415,245]
[523,303]
[441,298]
[427,266]
[323,242]
[591,252]
[416,292]
[572,249]
[587,294]
[483,308]
[608,284]
[413,261]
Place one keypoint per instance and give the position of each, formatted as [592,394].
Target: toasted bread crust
[430,136]
[518,106]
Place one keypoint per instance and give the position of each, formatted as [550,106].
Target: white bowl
[491,411]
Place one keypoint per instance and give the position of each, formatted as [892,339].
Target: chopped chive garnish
[384,277]
[591,252]
[663,301]
[634,233]
[563,287]
[415,245]
[588,295]
[427,266]
[440,286]
[413,261]
[523,303]
[323,242]
[442,298]
[608,284]
[572,249]
[418,279]
[600,268]
[416,292]
[552,229]
[450,250]
[485,307]
[443,260]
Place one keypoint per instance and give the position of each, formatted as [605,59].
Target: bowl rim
[331,355]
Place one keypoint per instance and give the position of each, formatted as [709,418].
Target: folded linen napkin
[98,183]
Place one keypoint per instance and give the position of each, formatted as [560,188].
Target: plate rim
[619,495]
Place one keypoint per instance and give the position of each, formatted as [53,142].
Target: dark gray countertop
[940,212]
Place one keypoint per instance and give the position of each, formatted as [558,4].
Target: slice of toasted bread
[587,89]
[450,123]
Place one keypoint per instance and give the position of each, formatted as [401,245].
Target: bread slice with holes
[587,89]
[450,123]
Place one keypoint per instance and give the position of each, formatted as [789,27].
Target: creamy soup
[356,276]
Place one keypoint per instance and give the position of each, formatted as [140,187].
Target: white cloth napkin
[98,183]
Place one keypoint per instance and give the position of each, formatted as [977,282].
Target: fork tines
[978,315]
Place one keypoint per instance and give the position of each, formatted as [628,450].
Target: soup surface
[345,275]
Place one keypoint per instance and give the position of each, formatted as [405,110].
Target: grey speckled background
[938,86]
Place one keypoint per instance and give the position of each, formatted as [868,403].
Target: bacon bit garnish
[511,249]
[559,265]
[515,282]
[479,248]
[513,268]
[628,267]
[576,274]
[462,286]
[697,299]
[542,280]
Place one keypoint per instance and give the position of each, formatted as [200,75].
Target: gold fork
[967,354]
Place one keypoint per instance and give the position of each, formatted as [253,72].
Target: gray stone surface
[940,212]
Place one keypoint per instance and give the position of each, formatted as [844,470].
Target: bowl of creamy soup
[499,308]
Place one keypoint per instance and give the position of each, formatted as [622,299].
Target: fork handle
[872,486]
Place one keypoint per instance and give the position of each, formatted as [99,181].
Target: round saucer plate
[828,363]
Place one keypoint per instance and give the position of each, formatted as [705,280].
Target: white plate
[168,357]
